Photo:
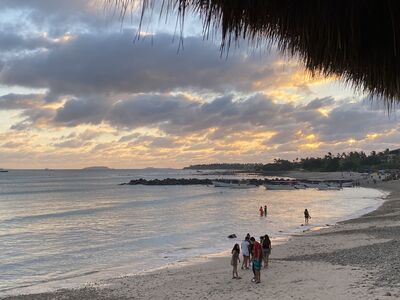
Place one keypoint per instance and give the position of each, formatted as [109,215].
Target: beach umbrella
[355,40]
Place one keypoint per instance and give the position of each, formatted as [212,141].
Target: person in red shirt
[261,211]
[257,259]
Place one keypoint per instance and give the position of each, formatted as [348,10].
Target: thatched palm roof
[357,40]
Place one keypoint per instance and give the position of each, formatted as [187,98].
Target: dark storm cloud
[111,63]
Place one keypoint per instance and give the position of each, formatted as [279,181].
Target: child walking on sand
[234,261]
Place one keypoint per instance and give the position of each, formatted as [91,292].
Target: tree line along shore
[352,161]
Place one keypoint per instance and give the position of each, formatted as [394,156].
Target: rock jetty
[170,181]
[207,181]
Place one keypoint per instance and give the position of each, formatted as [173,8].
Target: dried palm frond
[357,40]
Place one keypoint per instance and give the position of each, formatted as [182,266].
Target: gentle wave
[84,225]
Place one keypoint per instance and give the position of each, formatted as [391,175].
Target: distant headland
[96,168]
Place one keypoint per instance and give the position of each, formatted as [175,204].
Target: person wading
[306,216]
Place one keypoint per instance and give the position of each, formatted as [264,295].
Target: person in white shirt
[246,254]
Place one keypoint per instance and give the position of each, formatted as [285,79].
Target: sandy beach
[356,259]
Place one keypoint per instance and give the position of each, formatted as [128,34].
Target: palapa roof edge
[356,40]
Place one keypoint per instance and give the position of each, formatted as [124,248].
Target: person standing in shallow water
[265,211]
[306,216]
[261,211]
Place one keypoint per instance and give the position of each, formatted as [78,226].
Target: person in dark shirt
[306,216]
[265,211]
[266,245]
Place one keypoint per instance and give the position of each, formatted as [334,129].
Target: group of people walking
[254,253]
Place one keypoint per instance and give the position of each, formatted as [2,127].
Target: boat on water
[277,186]
[322,186]
[328,187]
[347,184]
[312,185]
[300,186]
[3,171]
[234,185]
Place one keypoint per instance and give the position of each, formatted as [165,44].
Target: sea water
[66,227]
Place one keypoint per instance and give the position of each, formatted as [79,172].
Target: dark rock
[171,181]
[232,236]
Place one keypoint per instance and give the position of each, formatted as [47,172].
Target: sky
[78,89]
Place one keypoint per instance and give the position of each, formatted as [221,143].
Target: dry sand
[356,259]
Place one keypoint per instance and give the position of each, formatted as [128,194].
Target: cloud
[164,142]
[320,103]
[57,17]
[106,98]
[94,63]
[219,118]
[352,120]
[20,101]
[228,124]
[81,111]
[34,118]
[70,144]
[12,145]
[146,110]
[10,41]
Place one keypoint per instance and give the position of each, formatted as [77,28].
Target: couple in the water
[263,212]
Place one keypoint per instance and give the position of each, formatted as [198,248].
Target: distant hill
[96,168]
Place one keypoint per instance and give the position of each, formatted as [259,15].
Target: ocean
[62,228]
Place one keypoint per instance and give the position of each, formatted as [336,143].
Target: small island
[96,168]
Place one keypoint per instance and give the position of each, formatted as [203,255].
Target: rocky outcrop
[170,181]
